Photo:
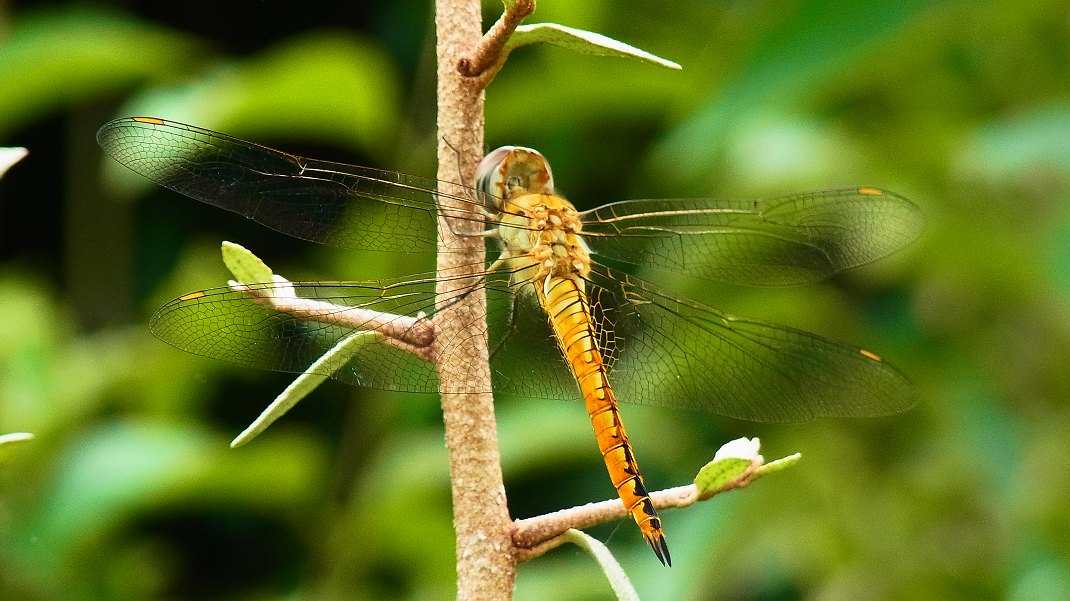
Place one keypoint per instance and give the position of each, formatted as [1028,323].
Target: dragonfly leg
[510,327]
[466,215]
[497,264]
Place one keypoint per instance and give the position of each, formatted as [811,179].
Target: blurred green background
[130,492]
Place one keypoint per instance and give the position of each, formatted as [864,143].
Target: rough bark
[486,567]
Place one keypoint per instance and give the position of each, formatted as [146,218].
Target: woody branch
[487,58]
[537,535]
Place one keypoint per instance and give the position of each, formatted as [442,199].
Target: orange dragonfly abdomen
[566,304]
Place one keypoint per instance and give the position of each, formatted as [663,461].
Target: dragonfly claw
[661,549]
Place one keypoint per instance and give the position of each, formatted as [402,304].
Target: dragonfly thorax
[540,230]
[541,235]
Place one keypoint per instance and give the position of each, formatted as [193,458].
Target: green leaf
[729,463]
[584,42]
[111,474]
[716,474]
[246,267]
[1018,147]
[732,460]
[11,443]
[618,580]
[316,374]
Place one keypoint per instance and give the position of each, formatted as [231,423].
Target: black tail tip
[661,549]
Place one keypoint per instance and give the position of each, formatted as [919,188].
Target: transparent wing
[668,351]
[232,326]
[660,350]
[792,239]
[331,203]
[675,352]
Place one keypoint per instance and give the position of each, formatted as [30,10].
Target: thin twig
[416,331]
[488,56]
[534,536]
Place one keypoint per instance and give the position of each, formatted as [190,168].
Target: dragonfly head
[512,170]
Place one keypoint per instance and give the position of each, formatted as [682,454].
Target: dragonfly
[579,281]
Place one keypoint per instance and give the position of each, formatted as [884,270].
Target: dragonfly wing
[787,240]
[309,319]
[331,203]
[659,349]
[232,326]
[674,352]
[525,359]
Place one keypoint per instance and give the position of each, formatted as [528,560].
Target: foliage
[129,489]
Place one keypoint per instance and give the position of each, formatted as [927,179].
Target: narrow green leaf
[579,40]
[316,374]
[246,267]
[11,443]
[618,580]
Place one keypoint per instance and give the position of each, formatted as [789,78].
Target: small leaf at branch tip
[10,156]
[579,40]
[718,473]
[730,462]
[510,6]
[779,464]
[246,267]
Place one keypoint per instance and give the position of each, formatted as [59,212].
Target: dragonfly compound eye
[511,170]
[531,169]
[491,176]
